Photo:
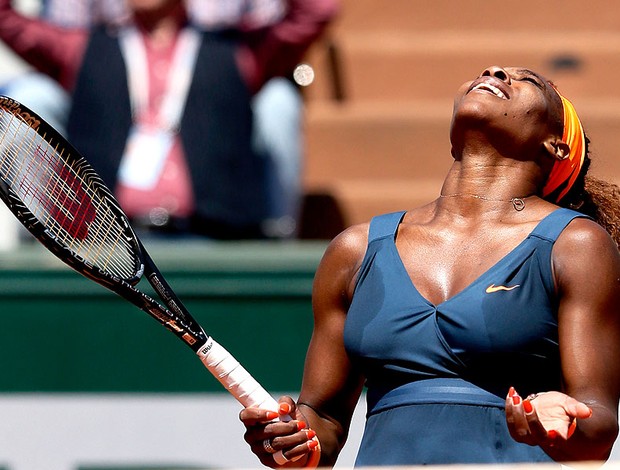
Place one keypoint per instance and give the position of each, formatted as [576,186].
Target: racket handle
[234,377]
[239,382]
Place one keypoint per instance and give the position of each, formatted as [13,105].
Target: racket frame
[174,315]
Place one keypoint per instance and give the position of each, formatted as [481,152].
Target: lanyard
[178,80]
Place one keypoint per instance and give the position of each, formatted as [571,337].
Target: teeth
[496,91]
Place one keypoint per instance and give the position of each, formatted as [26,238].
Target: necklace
[517,202]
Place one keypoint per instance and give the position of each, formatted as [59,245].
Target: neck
[162,23]
[503,180]
[483,189]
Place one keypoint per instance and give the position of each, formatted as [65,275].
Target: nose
[497,72]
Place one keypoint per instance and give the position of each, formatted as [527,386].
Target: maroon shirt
[58,51]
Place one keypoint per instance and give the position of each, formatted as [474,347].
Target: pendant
[518,203]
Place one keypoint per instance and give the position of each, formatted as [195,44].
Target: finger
[562,434]
[577,409]
[252,416]
[515,418]
[257,431]
[537,430]
[510,411]
[277,432]
[287,433]
[286,406]
[571,428]
[293,453]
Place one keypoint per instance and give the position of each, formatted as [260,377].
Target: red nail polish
[301,425]
[571,428]
[512,392]
[516,400]
[312,445]
[285,408]
[527,406]
[272,415]
[310,434]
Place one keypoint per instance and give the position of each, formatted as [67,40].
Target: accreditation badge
[144,158]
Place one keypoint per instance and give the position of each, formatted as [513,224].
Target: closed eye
[525,75]
[532,80]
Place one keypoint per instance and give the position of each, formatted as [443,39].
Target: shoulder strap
[552,225]
[384,225]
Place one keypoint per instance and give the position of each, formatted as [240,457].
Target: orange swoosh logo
[493,288]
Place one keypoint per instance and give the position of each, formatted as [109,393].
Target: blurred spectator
[208,14]
[229,197]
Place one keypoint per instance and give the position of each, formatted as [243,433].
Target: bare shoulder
[585,253]
[342,259]
[584,235]
[348,248]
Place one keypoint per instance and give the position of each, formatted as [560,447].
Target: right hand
[293,438]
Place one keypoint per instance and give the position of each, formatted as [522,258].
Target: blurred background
[89,382]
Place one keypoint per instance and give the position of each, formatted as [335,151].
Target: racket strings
[60,195]
[60,206]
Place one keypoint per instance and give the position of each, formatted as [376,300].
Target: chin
[471,112]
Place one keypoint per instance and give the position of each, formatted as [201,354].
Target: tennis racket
[58,197]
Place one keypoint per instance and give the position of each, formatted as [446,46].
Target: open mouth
[490,89]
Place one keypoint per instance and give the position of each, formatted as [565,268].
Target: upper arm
[587,270]
[331,386]
[283,45]
[53,50]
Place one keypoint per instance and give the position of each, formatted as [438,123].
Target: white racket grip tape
[234,377]
[238,382]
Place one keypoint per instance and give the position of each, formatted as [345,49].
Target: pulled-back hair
[596,198]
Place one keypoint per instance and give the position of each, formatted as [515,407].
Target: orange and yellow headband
[565,172]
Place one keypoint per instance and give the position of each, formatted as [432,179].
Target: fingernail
[527,406]
[312,445]
[310,434]
[516,399]
[553,434]
[285,408]
[512,392]
[571,428]
[272,415]
[301,425]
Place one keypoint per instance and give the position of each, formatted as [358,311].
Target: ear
[557,148]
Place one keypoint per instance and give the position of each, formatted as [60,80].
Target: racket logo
[63,198]
[15,108]
[205,350]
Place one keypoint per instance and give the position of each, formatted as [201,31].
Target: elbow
[601,442]
[330,10]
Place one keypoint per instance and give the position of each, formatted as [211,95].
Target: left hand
[546,419]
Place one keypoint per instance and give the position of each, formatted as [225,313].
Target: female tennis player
[486,324]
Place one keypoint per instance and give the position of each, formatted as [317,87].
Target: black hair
[595,197]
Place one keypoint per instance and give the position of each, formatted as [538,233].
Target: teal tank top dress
[437,375]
